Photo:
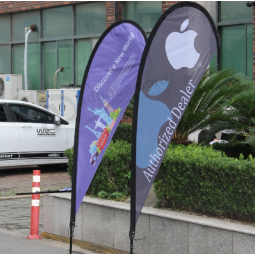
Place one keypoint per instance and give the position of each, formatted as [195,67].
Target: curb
[85,245]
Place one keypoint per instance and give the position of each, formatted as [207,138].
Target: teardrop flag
[177,53]
[107,88]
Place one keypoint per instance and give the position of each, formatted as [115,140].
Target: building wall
[112,15]
[19,6]
[167,4]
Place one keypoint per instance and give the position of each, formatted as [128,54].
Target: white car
[32,135]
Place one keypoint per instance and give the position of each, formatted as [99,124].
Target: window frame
[41,40]
[220,24]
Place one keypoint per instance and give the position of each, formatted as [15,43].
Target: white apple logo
[180,48]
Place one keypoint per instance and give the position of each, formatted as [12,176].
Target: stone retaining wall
[106,223]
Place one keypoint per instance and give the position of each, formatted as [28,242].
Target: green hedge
[199,179]
[123,132]
[234,149]
[191,178]
[112,179]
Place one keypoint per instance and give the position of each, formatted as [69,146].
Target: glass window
[213,62]
[25,113]
[65,59]
[83,51]
[49,64]
[33,65]
[18,60]
[5,25]
[57,22]
[235,10]
[90,18]
[5,59]
[250,51]
[22,20]
[233,48]
[56,55]
[3,117]
[145,13]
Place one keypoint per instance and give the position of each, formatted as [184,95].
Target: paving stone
[15,214]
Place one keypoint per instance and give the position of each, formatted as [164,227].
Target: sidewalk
[15,226]
[13,242]
[15,213]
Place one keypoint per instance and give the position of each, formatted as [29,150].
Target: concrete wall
[106,223]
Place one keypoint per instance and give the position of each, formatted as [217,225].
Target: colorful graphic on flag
[175,58]
[107,88]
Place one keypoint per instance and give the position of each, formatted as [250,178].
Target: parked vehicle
[32,135]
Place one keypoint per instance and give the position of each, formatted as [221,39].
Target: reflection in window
[25,113]
[3,117]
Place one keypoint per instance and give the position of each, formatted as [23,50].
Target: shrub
[234,149]
[69,154]
[112,179]
[123,132]
[191,178]
[198,179]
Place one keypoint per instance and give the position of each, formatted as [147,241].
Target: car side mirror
[56,120]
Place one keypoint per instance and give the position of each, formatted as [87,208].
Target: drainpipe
[61,70]
[27,32]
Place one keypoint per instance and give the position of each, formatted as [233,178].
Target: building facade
[66,33]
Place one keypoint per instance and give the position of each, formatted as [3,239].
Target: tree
[222,100]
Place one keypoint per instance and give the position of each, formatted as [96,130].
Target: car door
[41,141]
[9,139]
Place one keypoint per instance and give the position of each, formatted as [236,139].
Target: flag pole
[133,185]
[73,194]
[71,238]
[133,164]
[73,202]
[132,210]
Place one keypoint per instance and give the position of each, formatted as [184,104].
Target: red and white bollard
[35,208]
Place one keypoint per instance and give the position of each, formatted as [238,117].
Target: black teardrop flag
[177,53]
